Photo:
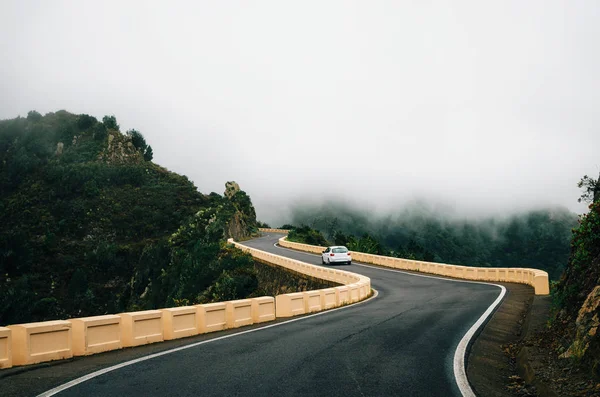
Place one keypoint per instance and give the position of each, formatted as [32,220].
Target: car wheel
[349,262]
[322,261]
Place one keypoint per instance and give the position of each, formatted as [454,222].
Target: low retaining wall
[288,305]
[96,334]
[239,313]
[5,348]
[24,344]
[270,230]
[263,309]
[538,279]
[213,317]
[357,287]
[37,342]
[141,328]
[180,322]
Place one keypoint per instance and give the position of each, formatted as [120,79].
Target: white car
[336,254]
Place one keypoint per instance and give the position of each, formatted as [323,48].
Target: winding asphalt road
[400,343]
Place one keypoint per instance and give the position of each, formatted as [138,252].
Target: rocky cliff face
[119,150]
[577,297]
[586,345]
[242,223]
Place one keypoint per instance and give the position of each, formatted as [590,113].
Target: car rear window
[340,250]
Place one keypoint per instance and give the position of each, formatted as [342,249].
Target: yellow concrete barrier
[363,290]
[538,279]
[239,313]
[212,317]
[502,274]
[270,230]
[540,283]
[38,342]
[180,322]
[288,305]
[51,340]
[141,328]
[96,334]
[354,292]
[263,309]
[329,298]
[312,301]
[5,348]
[343,295]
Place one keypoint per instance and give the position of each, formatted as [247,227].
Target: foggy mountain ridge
[537,238]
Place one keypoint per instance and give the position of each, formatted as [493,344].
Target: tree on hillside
[33,115]
[110,122]
[85,121]
[148,154]
[366,244]
[137,139]
[340,238]
[140,144]
[591,189]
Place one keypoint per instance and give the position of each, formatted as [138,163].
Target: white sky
[484,105]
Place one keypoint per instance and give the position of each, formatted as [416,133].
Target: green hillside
[537,238]
[90,225]
[573,333]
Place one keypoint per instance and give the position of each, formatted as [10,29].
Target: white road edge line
[460,372]
[103,371]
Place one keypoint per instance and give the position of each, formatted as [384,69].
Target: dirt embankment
[515,354]
[489,367]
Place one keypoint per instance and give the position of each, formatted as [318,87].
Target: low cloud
[482,108]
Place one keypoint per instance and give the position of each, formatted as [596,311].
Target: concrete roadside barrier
[312,301]
[34,343]
[5,348]
[343,294]
[263,309]
[180,322]
[288,305]
[354,292]
[538,279]
[239,313]
[141,328]
[96,334]
[212,317]
[329,298]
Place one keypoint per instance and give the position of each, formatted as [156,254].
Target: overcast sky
[483,105]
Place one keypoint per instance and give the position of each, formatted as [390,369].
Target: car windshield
[340,250]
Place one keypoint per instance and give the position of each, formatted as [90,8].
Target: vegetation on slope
[90,225]
[305,235]
[538,239]
[574,331]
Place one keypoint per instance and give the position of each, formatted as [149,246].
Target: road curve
[401,343]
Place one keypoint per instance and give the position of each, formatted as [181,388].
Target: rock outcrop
[231,188]
[586,345]
[577,296]
[243,220]
[120,150]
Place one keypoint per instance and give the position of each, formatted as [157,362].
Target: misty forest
[536,239]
